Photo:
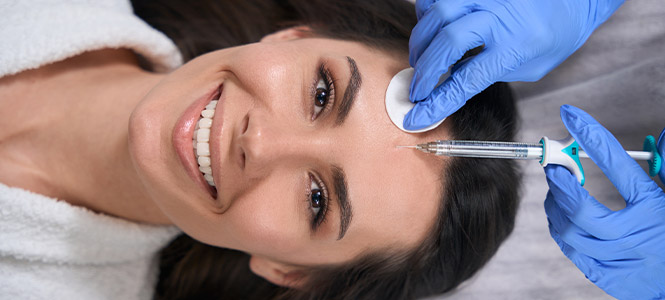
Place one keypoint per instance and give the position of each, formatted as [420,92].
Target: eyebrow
[355,81]
[345,208]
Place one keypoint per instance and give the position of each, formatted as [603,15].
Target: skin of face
[269,146]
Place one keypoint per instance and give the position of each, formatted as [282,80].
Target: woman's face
[302,178]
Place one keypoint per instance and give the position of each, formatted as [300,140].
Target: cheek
[256,69]
[268,218]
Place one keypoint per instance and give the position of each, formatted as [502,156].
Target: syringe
[564,152]
[481,149]
[505,150]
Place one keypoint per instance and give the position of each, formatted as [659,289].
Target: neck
[67,135]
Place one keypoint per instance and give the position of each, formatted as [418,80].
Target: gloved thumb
[469,78]
[428,112]
[604,149]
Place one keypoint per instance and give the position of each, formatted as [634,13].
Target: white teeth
[204,161]
[212,105]
[203,135]
[202,149]
[200,141]
[205,123]
[208,113]
[208,177]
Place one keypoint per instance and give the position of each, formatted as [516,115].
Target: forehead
[395,193]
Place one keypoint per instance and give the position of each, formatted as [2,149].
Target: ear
[277,273]
[291,33]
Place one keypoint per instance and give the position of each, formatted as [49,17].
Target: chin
[144,131]
[149,149]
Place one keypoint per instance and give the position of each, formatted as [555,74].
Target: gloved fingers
[426,113]
[583,262]
[434,19]
[578,238]
[531,70]
[446,48]
[468,80]
[422,6]
[604,149]
[661,151]
[580,207]
[422,35]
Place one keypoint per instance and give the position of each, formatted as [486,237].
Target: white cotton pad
[397,99]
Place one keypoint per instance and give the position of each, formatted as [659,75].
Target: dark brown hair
[478,205]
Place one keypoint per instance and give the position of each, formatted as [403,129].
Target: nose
[267,141]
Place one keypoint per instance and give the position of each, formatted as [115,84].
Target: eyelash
[326,77]
[325,84]
[320,216]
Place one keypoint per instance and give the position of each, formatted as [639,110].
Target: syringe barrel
[487,149]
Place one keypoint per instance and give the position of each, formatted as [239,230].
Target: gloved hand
[622,252]
[523,39]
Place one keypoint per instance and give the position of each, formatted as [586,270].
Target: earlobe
[291,33]
[277,273]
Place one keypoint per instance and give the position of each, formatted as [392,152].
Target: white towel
[50,249]
[34,33]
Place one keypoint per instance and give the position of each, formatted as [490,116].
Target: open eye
[321,96]
[316,198]
[323,91]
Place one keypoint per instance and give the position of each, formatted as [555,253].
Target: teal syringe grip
[565,152]
[656,163]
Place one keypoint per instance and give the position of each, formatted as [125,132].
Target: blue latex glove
[524,40]
[622,252]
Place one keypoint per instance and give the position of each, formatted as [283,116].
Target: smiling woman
[441,220]
[274,155]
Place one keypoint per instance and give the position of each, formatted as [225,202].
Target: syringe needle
[421,147]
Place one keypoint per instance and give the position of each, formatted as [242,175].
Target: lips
[183,133]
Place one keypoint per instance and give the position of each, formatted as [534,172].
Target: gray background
[618,77]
